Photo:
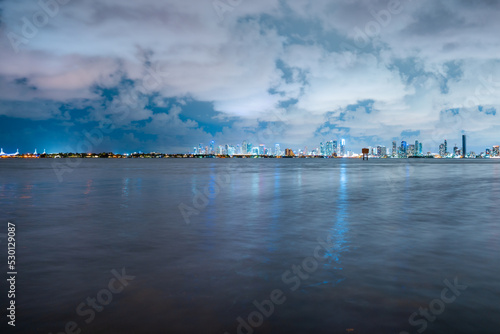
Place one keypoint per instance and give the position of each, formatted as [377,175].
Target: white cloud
[232,62]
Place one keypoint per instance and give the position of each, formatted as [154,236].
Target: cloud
[299,64]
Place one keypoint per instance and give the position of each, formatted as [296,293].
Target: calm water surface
[392,232]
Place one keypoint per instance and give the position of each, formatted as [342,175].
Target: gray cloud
[428,57]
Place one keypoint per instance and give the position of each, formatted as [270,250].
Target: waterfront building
[244,147]
[342,148]
[496,151]
[464,146]
[411,150]
[442,152]
[277,150]
[403,150]
[212,148]
[262,149]
[381,151]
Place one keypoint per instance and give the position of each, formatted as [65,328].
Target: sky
[167,75]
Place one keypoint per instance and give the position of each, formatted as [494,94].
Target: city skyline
[339,148]
[328,148]
[135,76]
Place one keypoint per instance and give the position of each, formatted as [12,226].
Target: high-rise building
[244,147]
[464,146]
[329,148]
[445,147]
[420,148]
[496,151]
[335,147]
[442,150]
[212,147]
[262,149]
[403,150]
[411,150]
[416,148]
[342,148]
[394,149]
[381,151]
[277,150]
[322,148]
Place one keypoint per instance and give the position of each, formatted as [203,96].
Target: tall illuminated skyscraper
[441,150]
[262,149]
[403,149]
[212,147]
[244,147]
[277,150]
[329,148]
[464,146]
[496,151]
[335,147]
[342,147]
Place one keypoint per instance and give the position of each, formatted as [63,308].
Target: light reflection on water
[399,229]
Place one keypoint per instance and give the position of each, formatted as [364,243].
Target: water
[395,230]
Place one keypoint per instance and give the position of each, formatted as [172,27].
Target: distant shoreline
[198,156]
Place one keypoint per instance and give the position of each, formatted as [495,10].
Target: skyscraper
[403,149]
[342,148]
[262,149]
[277,150]
[464,146]
[496,151]
[394,149]
[442,150]
[329,148]
[212,147]
[411,150]
[381,151]
[244,147]
[445,147]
